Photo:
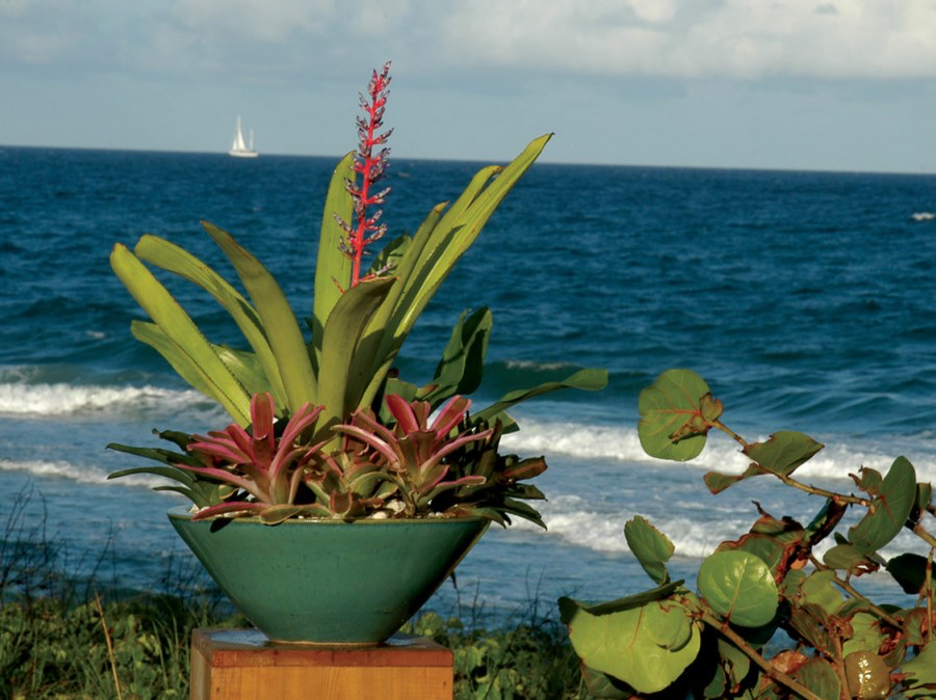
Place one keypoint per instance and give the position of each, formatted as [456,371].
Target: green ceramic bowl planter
[336,472]
[359,583]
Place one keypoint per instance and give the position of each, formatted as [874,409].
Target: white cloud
[688,38]
[258,20]
[671,38]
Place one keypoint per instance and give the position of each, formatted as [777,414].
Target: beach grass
[139,648]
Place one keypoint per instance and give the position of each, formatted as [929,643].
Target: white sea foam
[569,519]
[601,442]
[78,473]
[538,366]
[61,399]
[923,216]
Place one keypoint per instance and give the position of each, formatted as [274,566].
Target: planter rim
[182,512]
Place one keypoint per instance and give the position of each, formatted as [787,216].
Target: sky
[847,85]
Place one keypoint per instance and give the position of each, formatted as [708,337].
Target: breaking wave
[604,442]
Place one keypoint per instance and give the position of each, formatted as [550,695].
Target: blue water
[805,299]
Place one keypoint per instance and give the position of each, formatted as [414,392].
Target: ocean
[805,299]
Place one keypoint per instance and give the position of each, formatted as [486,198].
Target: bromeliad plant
[672,642]
[323,427]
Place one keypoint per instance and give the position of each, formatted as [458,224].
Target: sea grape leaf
[924,495]
[739,586]
[819,676]
[867,675]
[735,662]
[782,453]
[604,687]
[620,644]
[825,522]
[789,661]
[568,606]
[866,634]
[888,511]
[718,482]
[668,624]
[868,480]
[818,589]
[805,621]
[852,606]
[676,414]
[848,558]
[922,670]
[909,570]
[716,686]
[651,547]
[790,585]
[774,541]
[913,626]
[767,549]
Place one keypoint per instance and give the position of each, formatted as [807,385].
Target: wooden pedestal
[240,664]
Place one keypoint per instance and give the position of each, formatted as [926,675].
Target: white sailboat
[239,149]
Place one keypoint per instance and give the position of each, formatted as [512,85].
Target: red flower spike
[371,166]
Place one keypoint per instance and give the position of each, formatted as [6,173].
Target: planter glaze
[324,581]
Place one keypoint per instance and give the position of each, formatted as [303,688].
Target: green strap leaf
[888,511]
[292,355]
[462,365]
[740,587]
[651,547]
[160,252]
[345,358]
[332,266]
[585,379]
[246,368]
[192,349]
[676,413]
[178,359]
[423,273]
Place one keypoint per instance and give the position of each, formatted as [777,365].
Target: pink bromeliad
[414,450]
[268,468]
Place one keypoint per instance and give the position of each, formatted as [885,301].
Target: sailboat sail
[239,149]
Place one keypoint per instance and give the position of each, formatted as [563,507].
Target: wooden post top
[239,648]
